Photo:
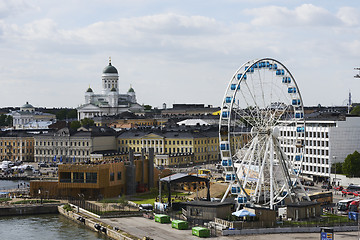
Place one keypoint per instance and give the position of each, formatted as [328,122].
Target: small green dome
[113,89]
[131,89]
[89,90]
[27,105]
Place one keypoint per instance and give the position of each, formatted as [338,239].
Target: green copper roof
[110,69]
[131,89]
[89,90]
[27,105]
[113,89]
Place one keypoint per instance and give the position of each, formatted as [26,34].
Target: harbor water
[47,227]
[38,227]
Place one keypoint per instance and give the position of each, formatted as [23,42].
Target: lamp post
[334,160]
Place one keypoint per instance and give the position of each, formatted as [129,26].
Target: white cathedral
[110,101]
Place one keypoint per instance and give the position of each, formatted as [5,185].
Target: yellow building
[175,147]
[16,146]
[137,122]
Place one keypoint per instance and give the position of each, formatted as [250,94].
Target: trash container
[179,224]
[200,232]
[161,218]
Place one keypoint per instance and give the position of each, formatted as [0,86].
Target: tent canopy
[183,177]
[243,213]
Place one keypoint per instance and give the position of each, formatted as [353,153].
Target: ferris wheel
[262,134]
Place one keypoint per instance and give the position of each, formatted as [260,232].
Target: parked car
[338,188]
[347,192]
[309,183]
[42,164]
[356,193]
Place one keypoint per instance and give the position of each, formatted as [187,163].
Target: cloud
[14,7]
[349,16]
[304,15]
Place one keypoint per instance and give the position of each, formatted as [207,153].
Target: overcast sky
[173,51]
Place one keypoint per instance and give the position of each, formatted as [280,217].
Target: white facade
[110,101]
[28,118]
[326,142]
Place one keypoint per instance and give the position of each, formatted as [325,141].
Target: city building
[110,101]
[16,146]
[102,180]
[177,146]
[28,118]
[189,110]
[329,138]
[67,145]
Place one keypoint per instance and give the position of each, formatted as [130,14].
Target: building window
[119,176]
[78,177]
[112,178]
[91,177]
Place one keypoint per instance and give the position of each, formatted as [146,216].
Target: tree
[337,168]
[72,114]
[87,122]
[351,165]
[147,107]
[355,111]
[75,125]
[5,120]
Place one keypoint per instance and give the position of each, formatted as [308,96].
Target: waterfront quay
[137,227]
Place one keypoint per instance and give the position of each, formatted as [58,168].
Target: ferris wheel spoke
[252,96]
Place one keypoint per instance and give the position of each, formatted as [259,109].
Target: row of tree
[5,120]
[86,122]
[350,167]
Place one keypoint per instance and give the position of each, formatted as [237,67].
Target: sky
[173,51]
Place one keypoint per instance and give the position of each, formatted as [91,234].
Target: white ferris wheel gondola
[262,134]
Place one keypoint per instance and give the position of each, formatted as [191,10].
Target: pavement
[141,227]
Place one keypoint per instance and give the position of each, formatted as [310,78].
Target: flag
[74,159]
[54,158]
[61,159]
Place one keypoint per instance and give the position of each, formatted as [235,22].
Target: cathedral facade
[110,101]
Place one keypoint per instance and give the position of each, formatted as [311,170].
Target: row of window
[307,134]
[10,143]
[61,152]
[173,150]
[78,177]
[317,152]
[316,160]
[170,142]
[48,143]
[316,169]
[16,151]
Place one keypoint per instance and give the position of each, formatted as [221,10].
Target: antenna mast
[357,75]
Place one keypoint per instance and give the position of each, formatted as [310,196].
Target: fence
[286,224]
[91,207]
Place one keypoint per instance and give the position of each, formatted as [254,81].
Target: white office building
[326,142]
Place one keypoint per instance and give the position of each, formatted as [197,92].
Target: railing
[286,224]
[86,205]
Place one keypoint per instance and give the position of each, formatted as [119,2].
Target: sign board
[326,234]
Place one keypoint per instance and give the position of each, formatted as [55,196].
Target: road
[140,227]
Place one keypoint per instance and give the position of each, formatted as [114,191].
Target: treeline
[62,113]
[350,167]
[5,120]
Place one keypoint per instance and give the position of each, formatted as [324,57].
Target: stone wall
[28,209]
[91,223]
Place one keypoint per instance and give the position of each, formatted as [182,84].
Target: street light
[334,159]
